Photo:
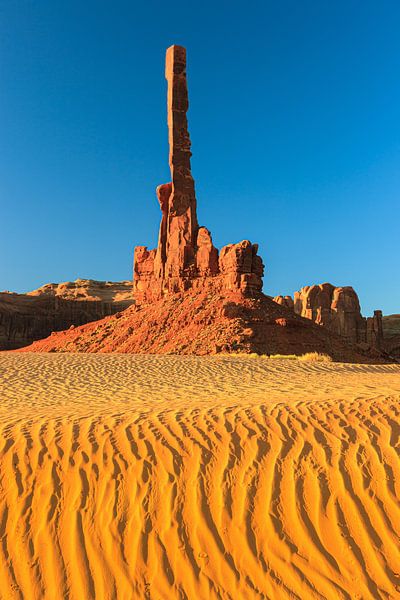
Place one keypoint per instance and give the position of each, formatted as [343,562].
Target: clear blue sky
[294,119]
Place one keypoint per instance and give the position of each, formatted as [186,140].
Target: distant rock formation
[88,289]
[391,335]
[374,333]
[25,318]
[338,309]
[185,257]
[391,326]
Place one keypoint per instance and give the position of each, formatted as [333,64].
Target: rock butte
[338,309]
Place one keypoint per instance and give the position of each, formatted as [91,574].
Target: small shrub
[291,356]
[315,357]
[308,357]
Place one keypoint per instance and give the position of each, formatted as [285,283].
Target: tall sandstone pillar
[185,256]
[181,226]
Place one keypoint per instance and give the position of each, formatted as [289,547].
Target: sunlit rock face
[185,256]
[25,318]
[338,309]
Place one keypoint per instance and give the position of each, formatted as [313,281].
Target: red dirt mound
[203,322]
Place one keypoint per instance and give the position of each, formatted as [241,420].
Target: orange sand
[193,478]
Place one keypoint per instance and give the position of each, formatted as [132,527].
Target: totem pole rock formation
[185,256]
[182,226]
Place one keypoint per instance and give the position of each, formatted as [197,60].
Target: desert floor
[168,477]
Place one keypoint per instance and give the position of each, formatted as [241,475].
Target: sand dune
[192,478]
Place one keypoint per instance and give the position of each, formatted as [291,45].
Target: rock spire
[185,256]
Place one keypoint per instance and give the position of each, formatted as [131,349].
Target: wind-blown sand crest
[192,478]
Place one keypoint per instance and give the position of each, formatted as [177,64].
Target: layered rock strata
[25,318]
[88,289]
[185,256]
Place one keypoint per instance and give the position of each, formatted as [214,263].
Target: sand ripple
[182,477]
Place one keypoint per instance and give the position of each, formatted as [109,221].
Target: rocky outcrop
[284,301]
[391,326]
[182,226]
[145,283]
[185,257]
[88,289]
[207,264]
[391,335]
[338,309]
[25,318]
[241,267]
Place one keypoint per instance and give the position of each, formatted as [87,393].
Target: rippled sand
[167,477]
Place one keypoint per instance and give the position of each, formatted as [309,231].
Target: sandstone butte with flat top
[190,298]
[25,318]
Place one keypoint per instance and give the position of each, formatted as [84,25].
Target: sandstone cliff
[391,326]
[338,309]
[54,307]
[391,335]
[88,289]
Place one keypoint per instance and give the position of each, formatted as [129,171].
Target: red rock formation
[391,335]
[337,308]
[88,289]
[285,301]
[182,223]
[189,300]
[206,254]
[163,195]
[391,326]
[241,267]
[375,330]
[185,256]
[144,280]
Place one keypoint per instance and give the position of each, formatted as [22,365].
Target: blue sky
[294,119]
